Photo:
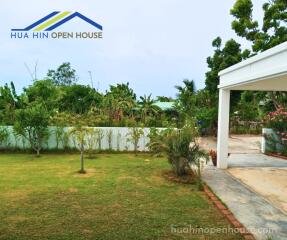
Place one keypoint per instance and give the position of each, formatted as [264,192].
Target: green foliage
[185,96]
[99,133]
[81,135]
[32,124]
[9,102]
[134,136]
[155,137]
[64,75]
[223,57]
[4,136]
[79,99]
[180,146]
[248,107]
[44,92]
[274,29]
[147,107]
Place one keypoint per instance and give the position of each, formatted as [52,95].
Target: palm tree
[185,94]
[147,106]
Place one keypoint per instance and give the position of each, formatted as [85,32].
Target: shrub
[181,148]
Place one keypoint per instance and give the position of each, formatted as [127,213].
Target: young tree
[32,124]
[81,133]
[134,136]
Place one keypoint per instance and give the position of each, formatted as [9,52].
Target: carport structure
[266,71]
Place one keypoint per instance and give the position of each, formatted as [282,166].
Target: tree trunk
[82,170]
[38,152]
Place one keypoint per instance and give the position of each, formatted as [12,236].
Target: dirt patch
[172,177]
[269,182]
[90,172]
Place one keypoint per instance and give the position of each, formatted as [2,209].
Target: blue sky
[152,44]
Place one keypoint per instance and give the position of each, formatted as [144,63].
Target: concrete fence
[102,138]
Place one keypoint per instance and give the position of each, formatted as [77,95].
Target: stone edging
[228,215]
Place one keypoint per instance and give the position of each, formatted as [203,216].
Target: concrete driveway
[254,186]
[263,174]
[236,144]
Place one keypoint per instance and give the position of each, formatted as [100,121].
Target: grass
[120,197]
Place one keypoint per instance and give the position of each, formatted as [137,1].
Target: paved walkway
[255,160]
[250,208]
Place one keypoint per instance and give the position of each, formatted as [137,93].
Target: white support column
[223,128]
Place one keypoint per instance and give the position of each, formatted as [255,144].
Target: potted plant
[213,156]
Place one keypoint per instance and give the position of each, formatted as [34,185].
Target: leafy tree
[122,91]
[206,111]
[44,92]
[223,57]
[64,75]
[9,102]
[248,107]
[32,124]
[273,30]
[79,99]
[119,101]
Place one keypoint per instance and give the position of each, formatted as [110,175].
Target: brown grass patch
[17,218]
[16,194]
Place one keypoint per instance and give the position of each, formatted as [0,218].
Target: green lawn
[121,197]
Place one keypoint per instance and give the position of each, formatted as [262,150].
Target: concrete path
[255,160]
[251,209]
[236,143]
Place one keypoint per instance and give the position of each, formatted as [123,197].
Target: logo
[45,28]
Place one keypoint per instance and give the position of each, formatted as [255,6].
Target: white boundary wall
[119,139]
